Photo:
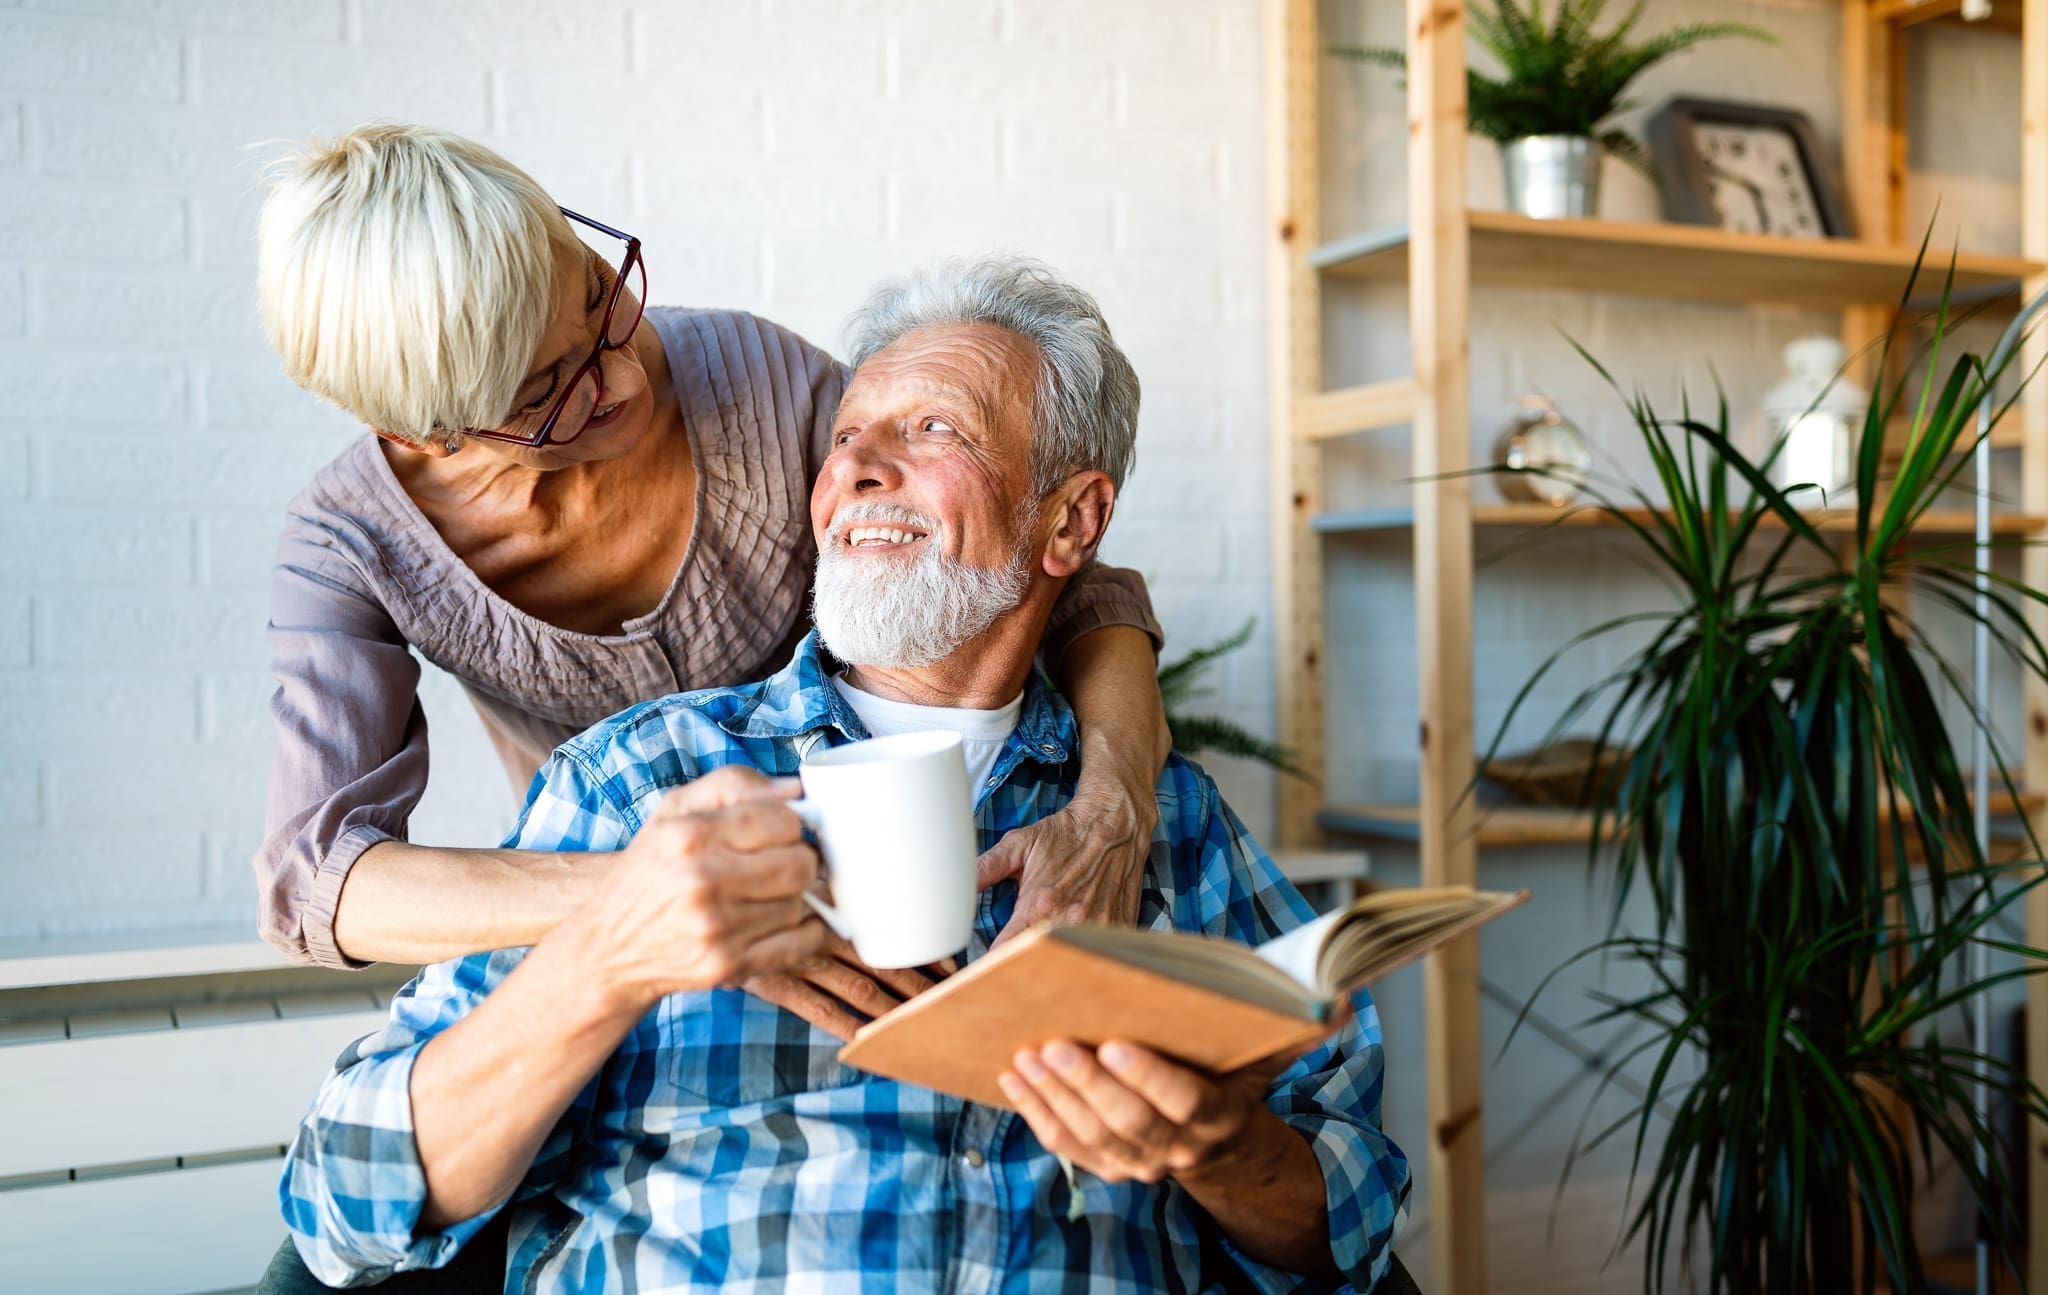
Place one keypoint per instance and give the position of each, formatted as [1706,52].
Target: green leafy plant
[1558,77]
[1181,682]
[1796,812]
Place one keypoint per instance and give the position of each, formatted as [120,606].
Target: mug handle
[814,818]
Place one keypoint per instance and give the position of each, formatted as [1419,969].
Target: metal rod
[1980,654]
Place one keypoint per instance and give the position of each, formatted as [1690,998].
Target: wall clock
[1745,168]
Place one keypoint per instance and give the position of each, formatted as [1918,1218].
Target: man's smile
[873,537]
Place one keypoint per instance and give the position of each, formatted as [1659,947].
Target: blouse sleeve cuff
[326,895]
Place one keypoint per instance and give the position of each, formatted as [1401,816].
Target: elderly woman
[572,504]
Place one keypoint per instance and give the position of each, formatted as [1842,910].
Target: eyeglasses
[583,391]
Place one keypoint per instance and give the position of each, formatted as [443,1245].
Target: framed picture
[1746,168]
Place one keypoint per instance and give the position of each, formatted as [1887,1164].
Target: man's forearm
[419,904]
[486,1093]
[1269,1198]
[1112,678]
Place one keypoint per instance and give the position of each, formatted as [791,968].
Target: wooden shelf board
[1669,260]
[1499,825]
[1505,826]
[1355,409]
[2005,14]
[1949,521]
[2006,434]
[1303,866]
[1358,520]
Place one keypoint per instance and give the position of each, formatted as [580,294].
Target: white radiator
[141,1136]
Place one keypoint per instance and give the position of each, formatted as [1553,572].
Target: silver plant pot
[1553,176]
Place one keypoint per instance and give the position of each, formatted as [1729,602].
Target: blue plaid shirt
[723,1147]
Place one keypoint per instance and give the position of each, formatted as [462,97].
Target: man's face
[923,513]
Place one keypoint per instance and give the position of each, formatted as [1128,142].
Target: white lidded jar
[1817,414]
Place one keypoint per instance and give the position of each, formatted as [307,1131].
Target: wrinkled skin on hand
[839,993]
[1125,1113]
[709,891]
[1083,864]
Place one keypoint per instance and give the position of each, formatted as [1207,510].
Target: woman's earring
[454,442]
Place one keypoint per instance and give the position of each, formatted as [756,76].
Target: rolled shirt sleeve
[1330,1096]
[353,1186]
[351,742]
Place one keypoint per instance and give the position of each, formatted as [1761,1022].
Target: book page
[1299,953]
[1367,944]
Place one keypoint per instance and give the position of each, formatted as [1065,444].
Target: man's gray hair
[1086,407]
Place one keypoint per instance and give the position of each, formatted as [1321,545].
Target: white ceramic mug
[895,821]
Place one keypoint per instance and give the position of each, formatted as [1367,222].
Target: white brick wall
[778,155]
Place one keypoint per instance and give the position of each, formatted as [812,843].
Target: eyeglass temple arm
[598,225]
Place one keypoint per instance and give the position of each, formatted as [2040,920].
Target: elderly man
[655,1129]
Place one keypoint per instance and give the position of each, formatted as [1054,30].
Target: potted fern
[1796,811]
[1560,84]
[1180,682]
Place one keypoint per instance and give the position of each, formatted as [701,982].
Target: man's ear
[1076,514]
[431,447]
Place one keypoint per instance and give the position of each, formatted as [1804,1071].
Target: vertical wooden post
[2034,570]
[1874,169]
[1294,328]
[1439,301]
[1873,160]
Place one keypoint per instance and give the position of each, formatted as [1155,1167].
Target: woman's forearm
[418,904]
[1112,678]
[1087,862]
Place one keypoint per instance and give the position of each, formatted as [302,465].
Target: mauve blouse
[363,581]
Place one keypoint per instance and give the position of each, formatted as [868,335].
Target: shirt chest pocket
[734,1049]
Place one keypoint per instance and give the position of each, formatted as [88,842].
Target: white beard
[887,614]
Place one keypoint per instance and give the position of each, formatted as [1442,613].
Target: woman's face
[615,416]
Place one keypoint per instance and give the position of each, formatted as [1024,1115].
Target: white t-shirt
[982,732]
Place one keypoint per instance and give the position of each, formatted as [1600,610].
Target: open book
[1208,1002]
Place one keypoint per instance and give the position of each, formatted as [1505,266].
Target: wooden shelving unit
[1442,252]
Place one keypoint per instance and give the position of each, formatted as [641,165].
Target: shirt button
[993,781]
[1048,748]
[974,1159]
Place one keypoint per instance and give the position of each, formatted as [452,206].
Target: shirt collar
[800,699]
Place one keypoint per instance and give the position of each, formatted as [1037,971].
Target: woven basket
[1562,775]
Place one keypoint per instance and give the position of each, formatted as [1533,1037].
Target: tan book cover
[1209,1002]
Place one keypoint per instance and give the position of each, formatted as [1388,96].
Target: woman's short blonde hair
[406,274]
